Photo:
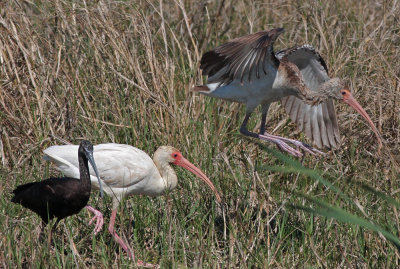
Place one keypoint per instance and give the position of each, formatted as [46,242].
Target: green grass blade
[381,195]
[329,211]
[294,166]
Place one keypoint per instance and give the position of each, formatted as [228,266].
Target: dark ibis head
[86,148]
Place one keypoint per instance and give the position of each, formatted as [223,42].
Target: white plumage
[125,170]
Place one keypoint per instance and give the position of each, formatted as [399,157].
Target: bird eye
[343,92]
[175,155]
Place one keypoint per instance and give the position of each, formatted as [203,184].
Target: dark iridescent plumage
[59,197]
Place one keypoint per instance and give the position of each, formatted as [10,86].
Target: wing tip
[303,124]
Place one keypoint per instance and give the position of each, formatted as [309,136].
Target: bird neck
[326,90]
[84,170]
[168,175]
[314,97]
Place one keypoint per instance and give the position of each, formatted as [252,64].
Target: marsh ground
[121,71]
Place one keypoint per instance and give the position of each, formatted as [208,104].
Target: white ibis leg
[98,217]
[125,246]
[281,142]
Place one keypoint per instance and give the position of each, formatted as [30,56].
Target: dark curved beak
[89,155]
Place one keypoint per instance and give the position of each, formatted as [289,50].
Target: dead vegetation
[116,71]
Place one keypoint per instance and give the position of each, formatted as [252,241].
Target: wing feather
[300,115]
[316,134]
[119,166]
[241,58]
[318,122]
[307,122]
[322,126]
[294,111]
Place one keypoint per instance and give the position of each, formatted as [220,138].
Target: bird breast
[269,87]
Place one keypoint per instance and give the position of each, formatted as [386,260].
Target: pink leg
[282,144]
[98,217]
[122,243]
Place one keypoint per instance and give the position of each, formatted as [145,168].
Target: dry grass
[120,71]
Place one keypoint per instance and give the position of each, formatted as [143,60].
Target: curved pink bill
[354,104]
[189,166]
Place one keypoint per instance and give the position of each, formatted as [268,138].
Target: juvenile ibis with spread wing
[246,70]
[61,197]
[125,171]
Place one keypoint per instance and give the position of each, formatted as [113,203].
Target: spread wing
[243,57]
[318,122]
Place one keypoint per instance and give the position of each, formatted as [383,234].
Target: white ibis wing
[119,166]
[65,158]
[241,58]
[318,122]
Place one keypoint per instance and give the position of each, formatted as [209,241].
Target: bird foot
[146,265]
[282,143]
[98,216]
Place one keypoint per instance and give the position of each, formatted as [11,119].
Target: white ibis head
[348,98]
[338,89]
[171,155]
[87,148]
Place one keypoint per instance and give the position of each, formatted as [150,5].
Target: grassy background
[121,71]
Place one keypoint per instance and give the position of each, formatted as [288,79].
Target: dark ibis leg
[51,231]
[122,243]
[98,216]
[281,142]
[264,111]
[49,238]
[42,232]
[243,127]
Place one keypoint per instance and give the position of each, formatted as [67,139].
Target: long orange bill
[189,166]
[354,104]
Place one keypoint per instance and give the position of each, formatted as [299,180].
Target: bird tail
[201,88]
[18,192]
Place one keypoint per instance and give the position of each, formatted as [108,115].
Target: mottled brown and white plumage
[319,121]
[247,70]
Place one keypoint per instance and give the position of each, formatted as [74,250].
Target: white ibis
[246,70]
[126,170]
[60,197]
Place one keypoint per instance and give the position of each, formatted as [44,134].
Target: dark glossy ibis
[60,197]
